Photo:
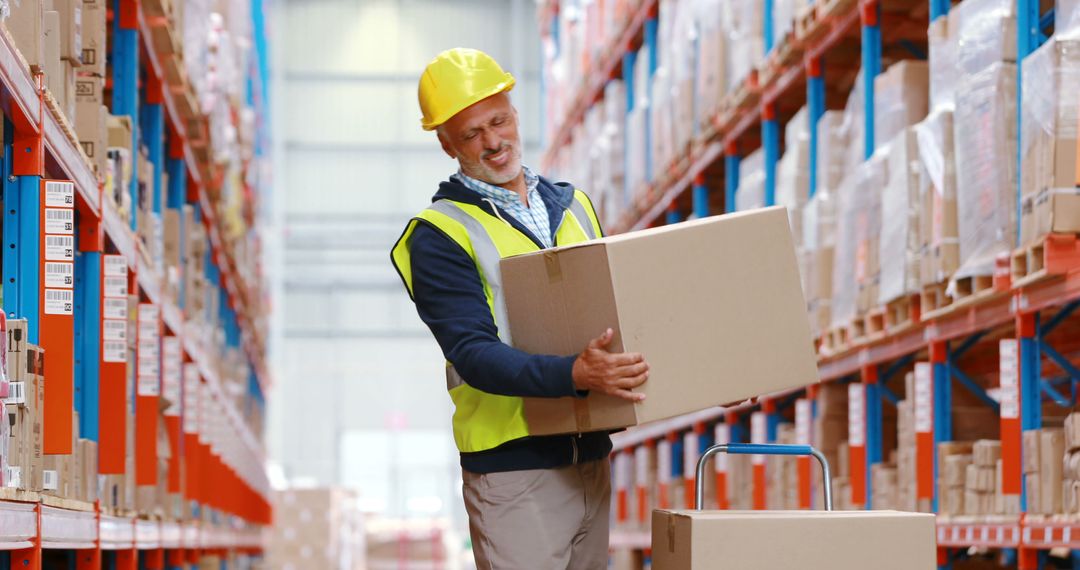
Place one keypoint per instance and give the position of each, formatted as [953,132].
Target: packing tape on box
[554,269]
[581,414]
[671,534]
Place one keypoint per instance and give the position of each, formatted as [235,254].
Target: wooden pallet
[1052,254]
[830,8]
[67,504]
[835,340]
[934,299]
[875,322]
[903,312]
[807,26]
[972,285]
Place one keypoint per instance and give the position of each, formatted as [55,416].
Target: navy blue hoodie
[450,299]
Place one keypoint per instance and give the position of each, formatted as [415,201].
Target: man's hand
[598,370]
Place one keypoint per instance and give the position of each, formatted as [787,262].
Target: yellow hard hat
[456,79]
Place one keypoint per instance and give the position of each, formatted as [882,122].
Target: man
[533,502]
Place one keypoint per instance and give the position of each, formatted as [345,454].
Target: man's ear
[445,145]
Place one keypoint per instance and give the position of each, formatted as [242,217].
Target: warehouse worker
[534,502]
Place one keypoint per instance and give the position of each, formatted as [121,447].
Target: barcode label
[170,347]
[116,266]
[149,367]
[59,221]
[59,274]
[13,476]
[50,480]
[148,332]
[59,301]
[59,248]
[16,393]
[116,287]
[116,309]
[114,351]
[60,194]
[149,348]
[114,330]
[149,385]
[149,313]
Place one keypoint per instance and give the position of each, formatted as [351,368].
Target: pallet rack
[223,459]
[1016,319]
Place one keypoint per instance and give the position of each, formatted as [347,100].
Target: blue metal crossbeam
[967,345]
[889,395]
[973,387]
[1060,360]
[1057,319]
[895,367]
[1058,399]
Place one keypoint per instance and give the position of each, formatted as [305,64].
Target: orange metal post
[924,430]
[758,434]
[857,442]
[720,465]
[57,332]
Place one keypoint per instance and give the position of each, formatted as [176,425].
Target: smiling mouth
[499,158]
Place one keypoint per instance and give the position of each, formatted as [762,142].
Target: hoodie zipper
[574,446]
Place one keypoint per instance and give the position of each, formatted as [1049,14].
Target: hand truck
[761,449]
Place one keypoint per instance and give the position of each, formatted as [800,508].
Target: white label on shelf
[1009,374]
[170,350]
[16,394]
[116,287]
[149,332]
[59,302]
[663,461]
[112,329]
[149,347]
[50,480]
[803,412]
[621,472]
[149,385]
[1066,534]
[59,221]
[984,534]
[115,309]
[59,248]
[856,414]
[59,194]
[191,399]
[758,434]
[115,266]
[59,274]
[690,455]
[149,366]
[641,466]
[149,313]
[924,398]
[13,476]
[114,351]
[723,436]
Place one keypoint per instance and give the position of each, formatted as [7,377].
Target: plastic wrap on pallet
[793,172]
[870,181]
[941,37]
[938,234]
[899,246]
[845,289]
[711,71]
[751,192]
[986,171]
[743,23]
[985,33]
[854,124]
[1066,18]
[660,113]
[1051,81]
[901,98]
[784,13]
[832,145]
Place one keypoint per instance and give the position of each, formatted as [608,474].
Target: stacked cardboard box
[24,408]
[73,476]
[842,499]
[954,458]
[1051,203]
[782,474]
[121,163]
[793,173]
[899,246]
[316,528]
[1070,465]
[743,25]
[939,238]
[91,114]
[981,478]
[985,136]
[830,427]
[901,99]
[711,65]
[1044,461]
[906,498]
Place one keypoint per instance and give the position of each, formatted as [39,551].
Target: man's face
[485,141]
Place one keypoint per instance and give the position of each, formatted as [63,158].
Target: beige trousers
[540,519]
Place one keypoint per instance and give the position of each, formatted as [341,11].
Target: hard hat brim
[505,85]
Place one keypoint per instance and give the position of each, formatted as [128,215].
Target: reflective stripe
[582,217]
[487,257]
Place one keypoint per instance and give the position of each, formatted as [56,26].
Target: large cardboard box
[93,37]
[684,540]
[25,23]
[902,95]
[70,30]
[715,305]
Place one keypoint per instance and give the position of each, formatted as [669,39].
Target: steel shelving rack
[224,482]
[1007,331]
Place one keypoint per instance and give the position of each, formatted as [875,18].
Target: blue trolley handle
[761,449]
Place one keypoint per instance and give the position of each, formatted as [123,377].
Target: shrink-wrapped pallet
[793,172]
[900,246]
[844,286]
[941,37]
[743,24]
[871,179]
[1048,138]
[985,34]
[751,193]
[831,156]
[938,232]
[986,170]
[900,99]
[711,84]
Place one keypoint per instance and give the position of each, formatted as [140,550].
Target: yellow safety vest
[481,420]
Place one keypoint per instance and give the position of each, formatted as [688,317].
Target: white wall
[360,396]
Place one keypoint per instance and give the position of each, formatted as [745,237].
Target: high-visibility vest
[484,421]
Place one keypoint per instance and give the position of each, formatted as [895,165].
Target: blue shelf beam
[871,65]
[770,140]
[700,197]
[125,65]
[815,104]
[731,176]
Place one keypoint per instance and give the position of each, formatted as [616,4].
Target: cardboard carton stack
[986,137]
[1051,203]
[91,114]
[829,428]
[1070,466]
[316,528]
[1044,464]
[782,473]
[711,66]
[793,176]
[981,480]
[901,99]
[885,484]
[842,500]
[121,163]
[23,410]
[954,458]
[906,499]
[899,246]
[73,476]
[743,25]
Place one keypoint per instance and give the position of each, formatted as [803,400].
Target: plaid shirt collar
[506,199]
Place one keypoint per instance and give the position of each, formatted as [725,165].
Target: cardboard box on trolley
[715,305]
[839,540]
